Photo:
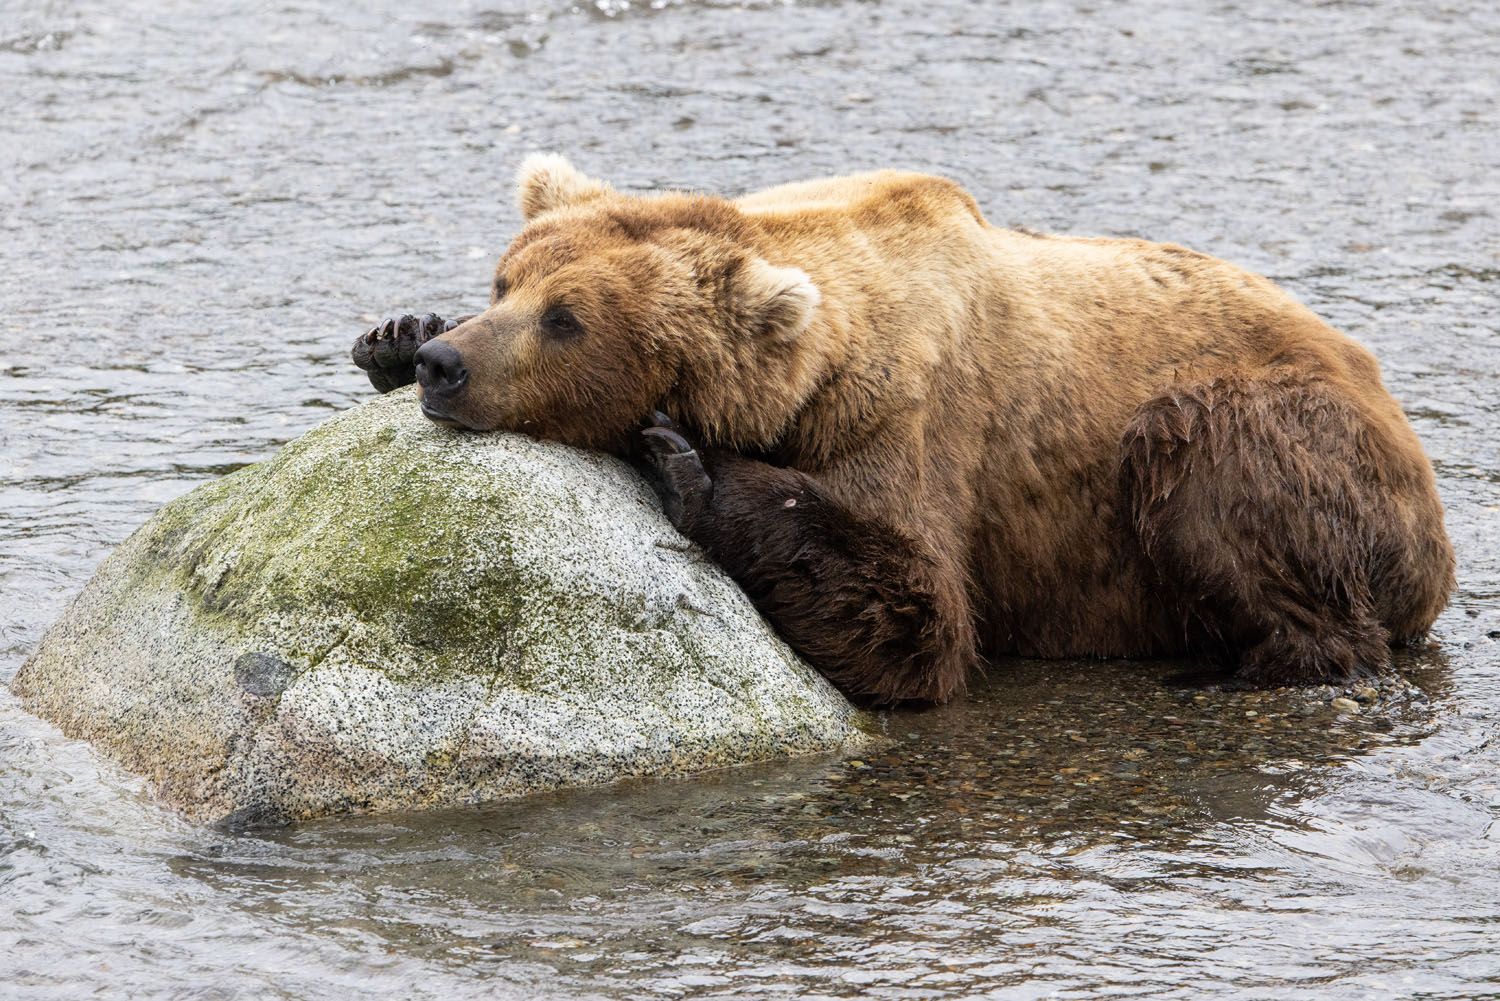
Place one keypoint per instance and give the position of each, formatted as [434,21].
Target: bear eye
[559,322]
[498,292]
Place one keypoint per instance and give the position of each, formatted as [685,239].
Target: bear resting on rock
[916,440]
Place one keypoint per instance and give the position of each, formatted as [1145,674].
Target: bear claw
[386,351]
[683,484]
[670,438]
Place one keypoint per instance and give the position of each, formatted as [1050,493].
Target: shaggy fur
[997,442]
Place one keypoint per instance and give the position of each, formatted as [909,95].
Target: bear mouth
[438,416]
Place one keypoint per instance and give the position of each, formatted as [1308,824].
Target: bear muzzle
[443,376]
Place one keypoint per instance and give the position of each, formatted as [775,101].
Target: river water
[201,209]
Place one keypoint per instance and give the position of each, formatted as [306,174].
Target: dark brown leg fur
[1266,508]
[865,605]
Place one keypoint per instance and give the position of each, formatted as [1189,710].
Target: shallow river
[200,211]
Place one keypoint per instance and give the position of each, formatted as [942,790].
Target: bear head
[607,306]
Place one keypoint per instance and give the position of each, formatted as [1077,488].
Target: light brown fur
[1067,430]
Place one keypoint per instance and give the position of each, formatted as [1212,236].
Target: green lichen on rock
[388,614]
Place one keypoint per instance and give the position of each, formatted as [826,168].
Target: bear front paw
[683,484]
[385,352]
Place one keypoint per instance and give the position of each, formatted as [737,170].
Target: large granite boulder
[391,615]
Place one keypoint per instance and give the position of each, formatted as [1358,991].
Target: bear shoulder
[877,196]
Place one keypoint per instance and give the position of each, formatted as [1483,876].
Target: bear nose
[440,368]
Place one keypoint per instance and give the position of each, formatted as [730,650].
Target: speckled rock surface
[391,615]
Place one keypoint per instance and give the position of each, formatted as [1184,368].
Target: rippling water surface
[200,210]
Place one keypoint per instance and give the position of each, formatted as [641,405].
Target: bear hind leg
[1250,501]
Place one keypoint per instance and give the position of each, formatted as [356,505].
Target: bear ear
[547,181]
[775,302]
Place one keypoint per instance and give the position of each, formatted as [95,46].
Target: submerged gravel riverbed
[203,209]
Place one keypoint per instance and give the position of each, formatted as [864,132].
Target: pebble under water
[202,210]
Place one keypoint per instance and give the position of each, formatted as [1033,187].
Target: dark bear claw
[386,351]
[684,485]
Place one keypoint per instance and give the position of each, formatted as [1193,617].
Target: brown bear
[916,439]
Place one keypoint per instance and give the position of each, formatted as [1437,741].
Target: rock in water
[391,615]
